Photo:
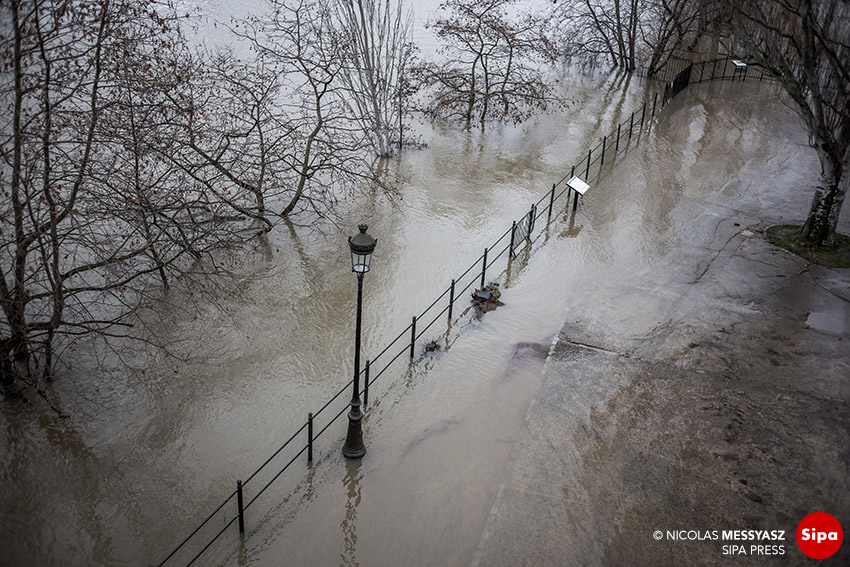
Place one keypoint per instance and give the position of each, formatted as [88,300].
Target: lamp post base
[354,448]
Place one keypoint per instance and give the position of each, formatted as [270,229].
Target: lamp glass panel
[360,262]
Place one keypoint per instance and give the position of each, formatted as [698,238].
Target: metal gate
[681,81]
[522,230]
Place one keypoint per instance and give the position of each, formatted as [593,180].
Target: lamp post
[362,245]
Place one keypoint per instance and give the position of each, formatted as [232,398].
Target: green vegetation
[787,236]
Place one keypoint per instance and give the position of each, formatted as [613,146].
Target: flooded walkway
[151,444]
[144,457]
[657,409]
[700,384]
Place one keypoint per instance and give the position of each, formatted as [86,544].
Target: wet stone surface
[734,415]
[701,380]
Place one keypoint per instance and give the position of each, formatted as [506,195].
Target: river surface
[151,444]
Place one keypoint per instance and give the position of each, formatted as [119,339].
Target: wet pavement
[707,391]
[729,414]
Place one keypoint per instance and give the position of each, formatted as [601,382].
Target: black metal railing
[724,68]
[666,71]
[618,140]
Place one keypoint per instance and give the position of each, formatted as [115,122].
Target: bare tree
[491,65]
[603,28]
[379,56]
[805,44]
[315,148]
[232,139]
[668,27]
[632,32]
[288,131]
[91,221]
[125,163]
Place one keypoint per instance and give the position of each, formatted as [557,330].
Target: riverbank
[685,390]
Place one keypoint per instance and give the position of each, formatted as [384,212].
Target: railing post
[642,114]
[241,507]
[713,66]
[531,215]
[452,297]
[513,234]
[412,336]
[570,189]
[654,103]
[725,63]
[602,159]
[366,386]
[631,125]
[617,146]
[310,437]
[701,71]
[483,268]
[551,202]
[587,171]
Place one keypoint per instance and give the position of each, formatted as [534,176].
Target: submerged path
[706,388]
[699,381]
[731,414]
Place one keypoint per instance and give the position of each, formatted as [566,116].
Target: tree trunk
[304,172]
[470,106]
[633,29]
[618,20]
[7,374]
[14,350]
[822,221]
[369,63]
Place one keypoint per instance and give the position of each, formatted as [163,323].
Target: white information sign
[578,185]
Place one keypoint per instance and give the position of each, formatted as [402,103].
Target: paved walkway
[710,394]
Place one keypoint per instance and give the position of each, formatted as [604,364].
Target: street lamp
[362,245]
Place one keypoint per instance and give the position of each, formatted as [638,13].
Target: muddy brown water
[144,457]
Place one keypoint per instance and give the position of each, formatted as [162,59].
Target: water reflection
[351,481]
[572,229]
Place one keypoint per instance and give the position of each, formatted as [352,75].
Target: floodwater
[147,451]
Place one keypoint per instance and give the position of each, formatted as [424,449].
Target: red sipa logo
[819,535]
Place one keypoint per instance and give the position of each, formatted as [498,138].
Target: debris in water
[433,346]
[487,299]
